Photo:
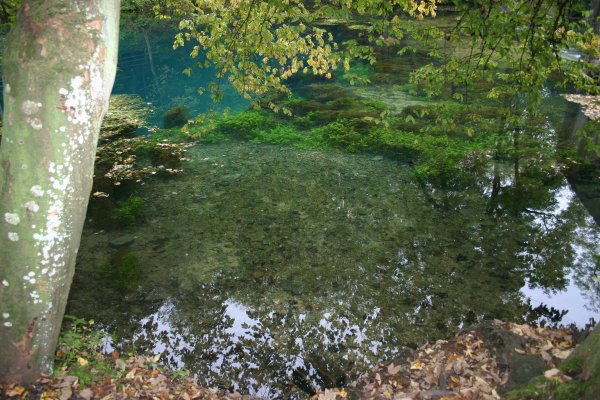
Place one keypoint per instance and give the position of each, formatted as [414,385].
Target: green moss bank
[583,365]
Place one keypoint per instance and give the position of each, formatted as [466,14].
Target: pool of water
[277,271]
[268,269]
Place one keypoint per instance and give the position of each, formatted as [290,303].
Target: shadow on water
[279,271]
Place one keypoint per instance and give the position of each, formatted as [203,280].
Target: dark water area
[277,271]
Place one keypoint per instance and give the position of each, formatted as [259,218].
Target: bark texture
[59,68]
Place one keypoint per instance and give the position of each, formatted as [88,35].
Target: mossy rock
[175,117]
[502,344]
[583,365]
[126,113]
[587,355]
[324,92]
[303,107]
[543,389]
[164,155]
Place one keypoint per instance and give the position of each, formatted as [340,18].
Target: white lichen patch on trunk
[12,218]
[32,207]
[37,191]
[30,107]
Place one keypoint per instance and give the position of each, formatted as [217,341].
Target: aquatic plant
[358,74]
[281,134]
[123,270]
[129,211]
[341,134]
[244,125]
[176,116]
[166,155]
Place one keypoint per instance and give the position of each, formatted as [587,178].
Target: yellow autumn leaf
[16,391]
[417,364]
[82,361]
[47,395]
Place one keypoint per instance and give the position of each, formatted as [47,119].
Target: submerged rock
[121,241]
[126,113]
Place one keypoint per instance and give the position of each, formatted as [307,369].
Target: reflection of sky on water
[164,337]
[577,300]
[165,334]
[571,299]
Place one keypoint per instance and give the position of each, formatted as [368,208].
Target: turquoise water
[277,271]
[153,70]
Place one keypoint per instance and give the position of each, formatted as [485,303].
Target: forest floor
[479,363]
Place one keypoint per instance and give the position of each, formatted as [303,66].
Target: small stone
[552,373]
[121,241]
[556,374]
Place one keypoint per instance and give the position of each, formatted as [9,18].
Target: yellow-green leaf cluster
[257,45]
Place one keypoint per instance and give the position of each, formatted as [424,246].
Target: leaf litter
[462,368]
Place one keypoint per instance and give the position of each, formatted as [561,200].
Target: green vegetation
[8,10]
[79,352]
[448,142]
[358,74]
[572,366]
[129,212]
[543,389]
[124,270]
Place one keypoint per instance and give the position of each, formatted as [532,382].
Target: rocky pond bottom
[276,271]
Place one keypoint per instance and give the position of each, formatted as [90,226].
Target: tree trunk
[59,68]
